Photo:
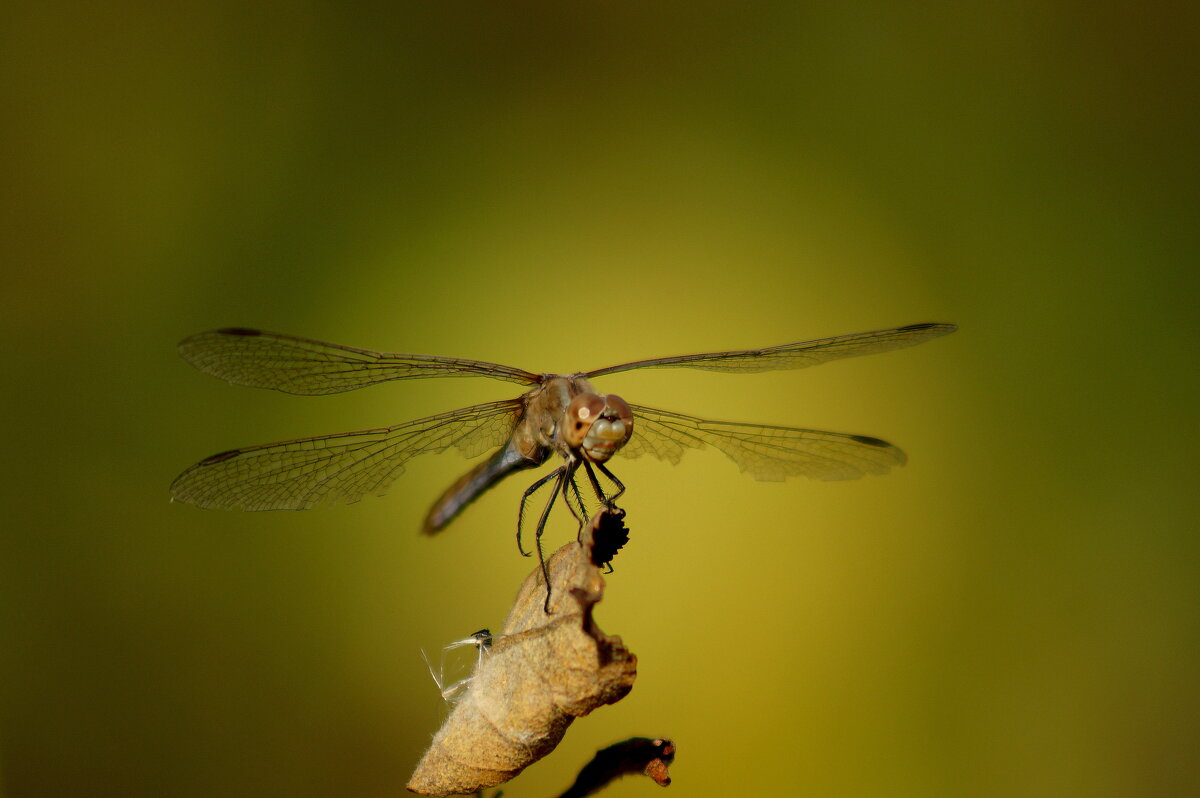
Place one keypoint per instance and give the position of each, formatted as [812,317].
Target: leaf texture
[542,672]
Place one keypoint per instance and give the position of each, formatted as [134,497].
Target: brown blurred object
[635,755]
[543,670]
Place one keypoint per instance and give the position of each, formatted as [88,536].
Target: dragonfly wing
[299,474]
[794,356]
[301,366]
[766,453]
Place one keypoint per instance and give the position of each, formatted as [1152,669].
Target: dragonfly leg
[566,473]
[581,514]
[620,485]
[607,500]
[532,489]
[600,496]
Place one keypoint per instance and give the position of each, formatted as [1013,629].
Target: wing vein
[304,472]
[766,452]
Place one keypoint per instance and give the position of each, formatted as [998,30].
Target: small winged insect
[559,414]
[482,640]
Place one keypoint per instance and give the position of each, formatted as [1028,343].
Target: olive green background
[561,187]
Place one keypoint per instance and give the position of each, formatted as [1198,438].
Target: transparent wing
[296,475]
[298,365]
[794,356]
[764,452]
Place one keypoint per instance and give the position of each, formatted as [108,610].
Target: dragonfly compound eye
[581,414]
[610,431]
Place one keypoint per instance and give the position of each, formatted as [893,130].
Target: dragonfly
[558,414]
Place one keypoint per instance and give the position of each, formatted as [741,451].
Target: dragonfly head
[597,425]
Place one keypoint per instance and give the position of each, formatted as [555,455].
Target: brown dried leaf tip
[542,671]
[636,755]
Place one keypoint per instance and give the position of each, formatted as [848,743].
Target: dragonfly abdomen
[475,482]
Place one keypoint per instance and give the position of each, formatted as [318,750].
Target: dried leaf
[542,671]
[636,755]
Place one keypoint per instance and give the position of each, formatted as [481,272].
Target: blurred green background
[562,187]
